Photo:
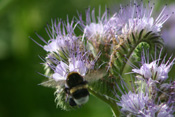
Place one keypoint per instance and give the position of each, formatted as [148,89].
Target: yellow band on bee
[78,87]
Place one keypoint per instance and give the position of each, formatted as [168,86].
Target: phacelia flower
[99,33]
[135,17]
[154,70]
[76,63]
[141,103]
[97,29]
[62,36]
[154,75]
[165,111]
[133,103]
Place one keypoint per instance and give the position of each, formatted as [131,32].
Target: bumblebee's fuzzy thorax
[74,79]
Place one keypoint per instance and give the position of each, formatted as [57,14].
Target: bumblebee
[76,86]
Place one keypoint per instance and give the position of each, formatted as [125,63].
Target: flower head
[133,103]
[61,35]
[135,17]
[99,31]
[77,62]
[141,103]
[165,111]
[154,70]
[154,75]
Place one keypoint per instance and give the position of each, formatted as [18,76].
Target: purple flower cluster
[108,42]
[142,104]
[66,51]
[98,35]
[137,17]
[154,95]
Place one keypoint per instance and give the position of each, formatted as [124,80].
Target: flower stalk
[108,101]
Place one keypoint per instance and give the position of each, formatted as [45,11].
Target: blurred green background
[20,94]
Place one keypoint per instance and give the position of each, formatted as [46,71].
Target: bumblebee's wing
[52,83]
[95,75]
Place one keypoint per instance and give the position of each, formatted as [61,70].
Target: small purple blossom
[61,36]
[97,29]
[154,76]
[141,103]
[77,62]
[66,51]
[60,71]
[133,103]
[136,17]
[59,43]
[165,111]
[154,70]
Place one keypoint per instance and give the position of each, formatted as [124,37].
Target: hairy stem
[110,102]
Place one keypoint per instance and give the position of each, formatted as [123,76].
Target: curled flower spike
[137,28]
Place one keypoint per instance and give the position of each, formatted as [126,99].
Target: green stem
[111,103]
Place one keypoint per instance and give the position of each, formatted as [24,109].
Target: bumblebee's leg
[66,98]
[72,102]
[67,90]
